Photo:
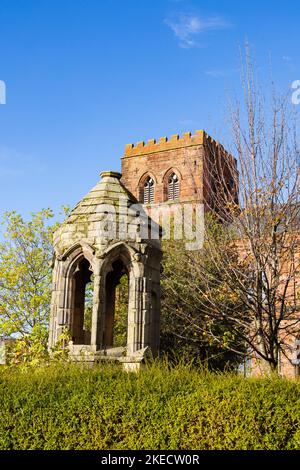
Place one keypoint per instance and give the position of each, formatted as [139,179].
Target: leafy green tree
[25,278]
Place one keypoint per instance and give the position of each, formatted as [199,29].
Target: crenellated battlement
[216,148]
[174,142]
[164,143]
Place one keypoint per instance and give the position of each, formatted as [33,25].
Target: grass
[163,407]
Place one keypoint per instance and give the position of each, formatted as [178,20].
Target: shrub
[76,407]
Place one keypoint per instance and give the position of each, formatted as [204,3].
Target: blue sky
[85,77]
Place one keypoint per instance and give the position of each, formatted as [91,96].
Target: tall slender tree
[260,273]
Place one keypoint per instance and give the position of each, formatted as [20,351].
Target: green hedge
[73,407]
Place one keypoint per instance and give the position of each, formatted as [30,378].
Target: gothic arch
[171,193]
[74,253]
[150,197]
[171,170]
[119,250]
[73,278]
[118,262]
[145,175]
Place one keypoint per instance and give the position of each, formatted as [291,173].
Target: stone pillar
[53,307]
[132,300]
[140,316]
[65,291]
[59,316]
[96,312]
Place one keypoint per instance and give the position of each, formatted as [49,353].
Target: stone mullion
[54,299]
[64,298]
[141,314]
[146,332]
[138,314]
[96,311]
[131,313]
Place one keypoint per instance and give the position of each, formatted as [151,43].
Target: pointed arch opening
[147,190]
[173,187]
[171,183]
[82,287]
[116,306]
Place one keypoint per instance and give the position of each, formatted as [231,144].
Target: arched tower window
[173,187]
[148,191]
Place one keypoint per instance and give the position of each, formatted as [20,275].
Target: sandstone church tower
[178,170]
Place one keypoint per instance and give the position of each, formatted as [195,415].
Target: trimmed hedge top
[74,407]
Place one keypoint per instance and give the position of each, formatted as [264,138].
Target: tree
[263,226]
[189,281]
[25,275]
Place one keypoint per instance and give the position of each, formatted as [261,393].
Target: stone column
[138,315]
[64,301]
[53,307]
[96,312]
[60,304]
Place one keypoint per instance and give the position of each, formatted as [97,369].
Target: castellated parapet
[174,142]
[189,157]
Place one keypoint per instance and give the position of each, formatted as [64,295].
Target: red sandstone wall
[290,328]
[182,155]
[191,157]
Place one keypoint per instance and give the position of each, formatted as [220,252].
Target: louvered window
[148,191]
[173,187]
